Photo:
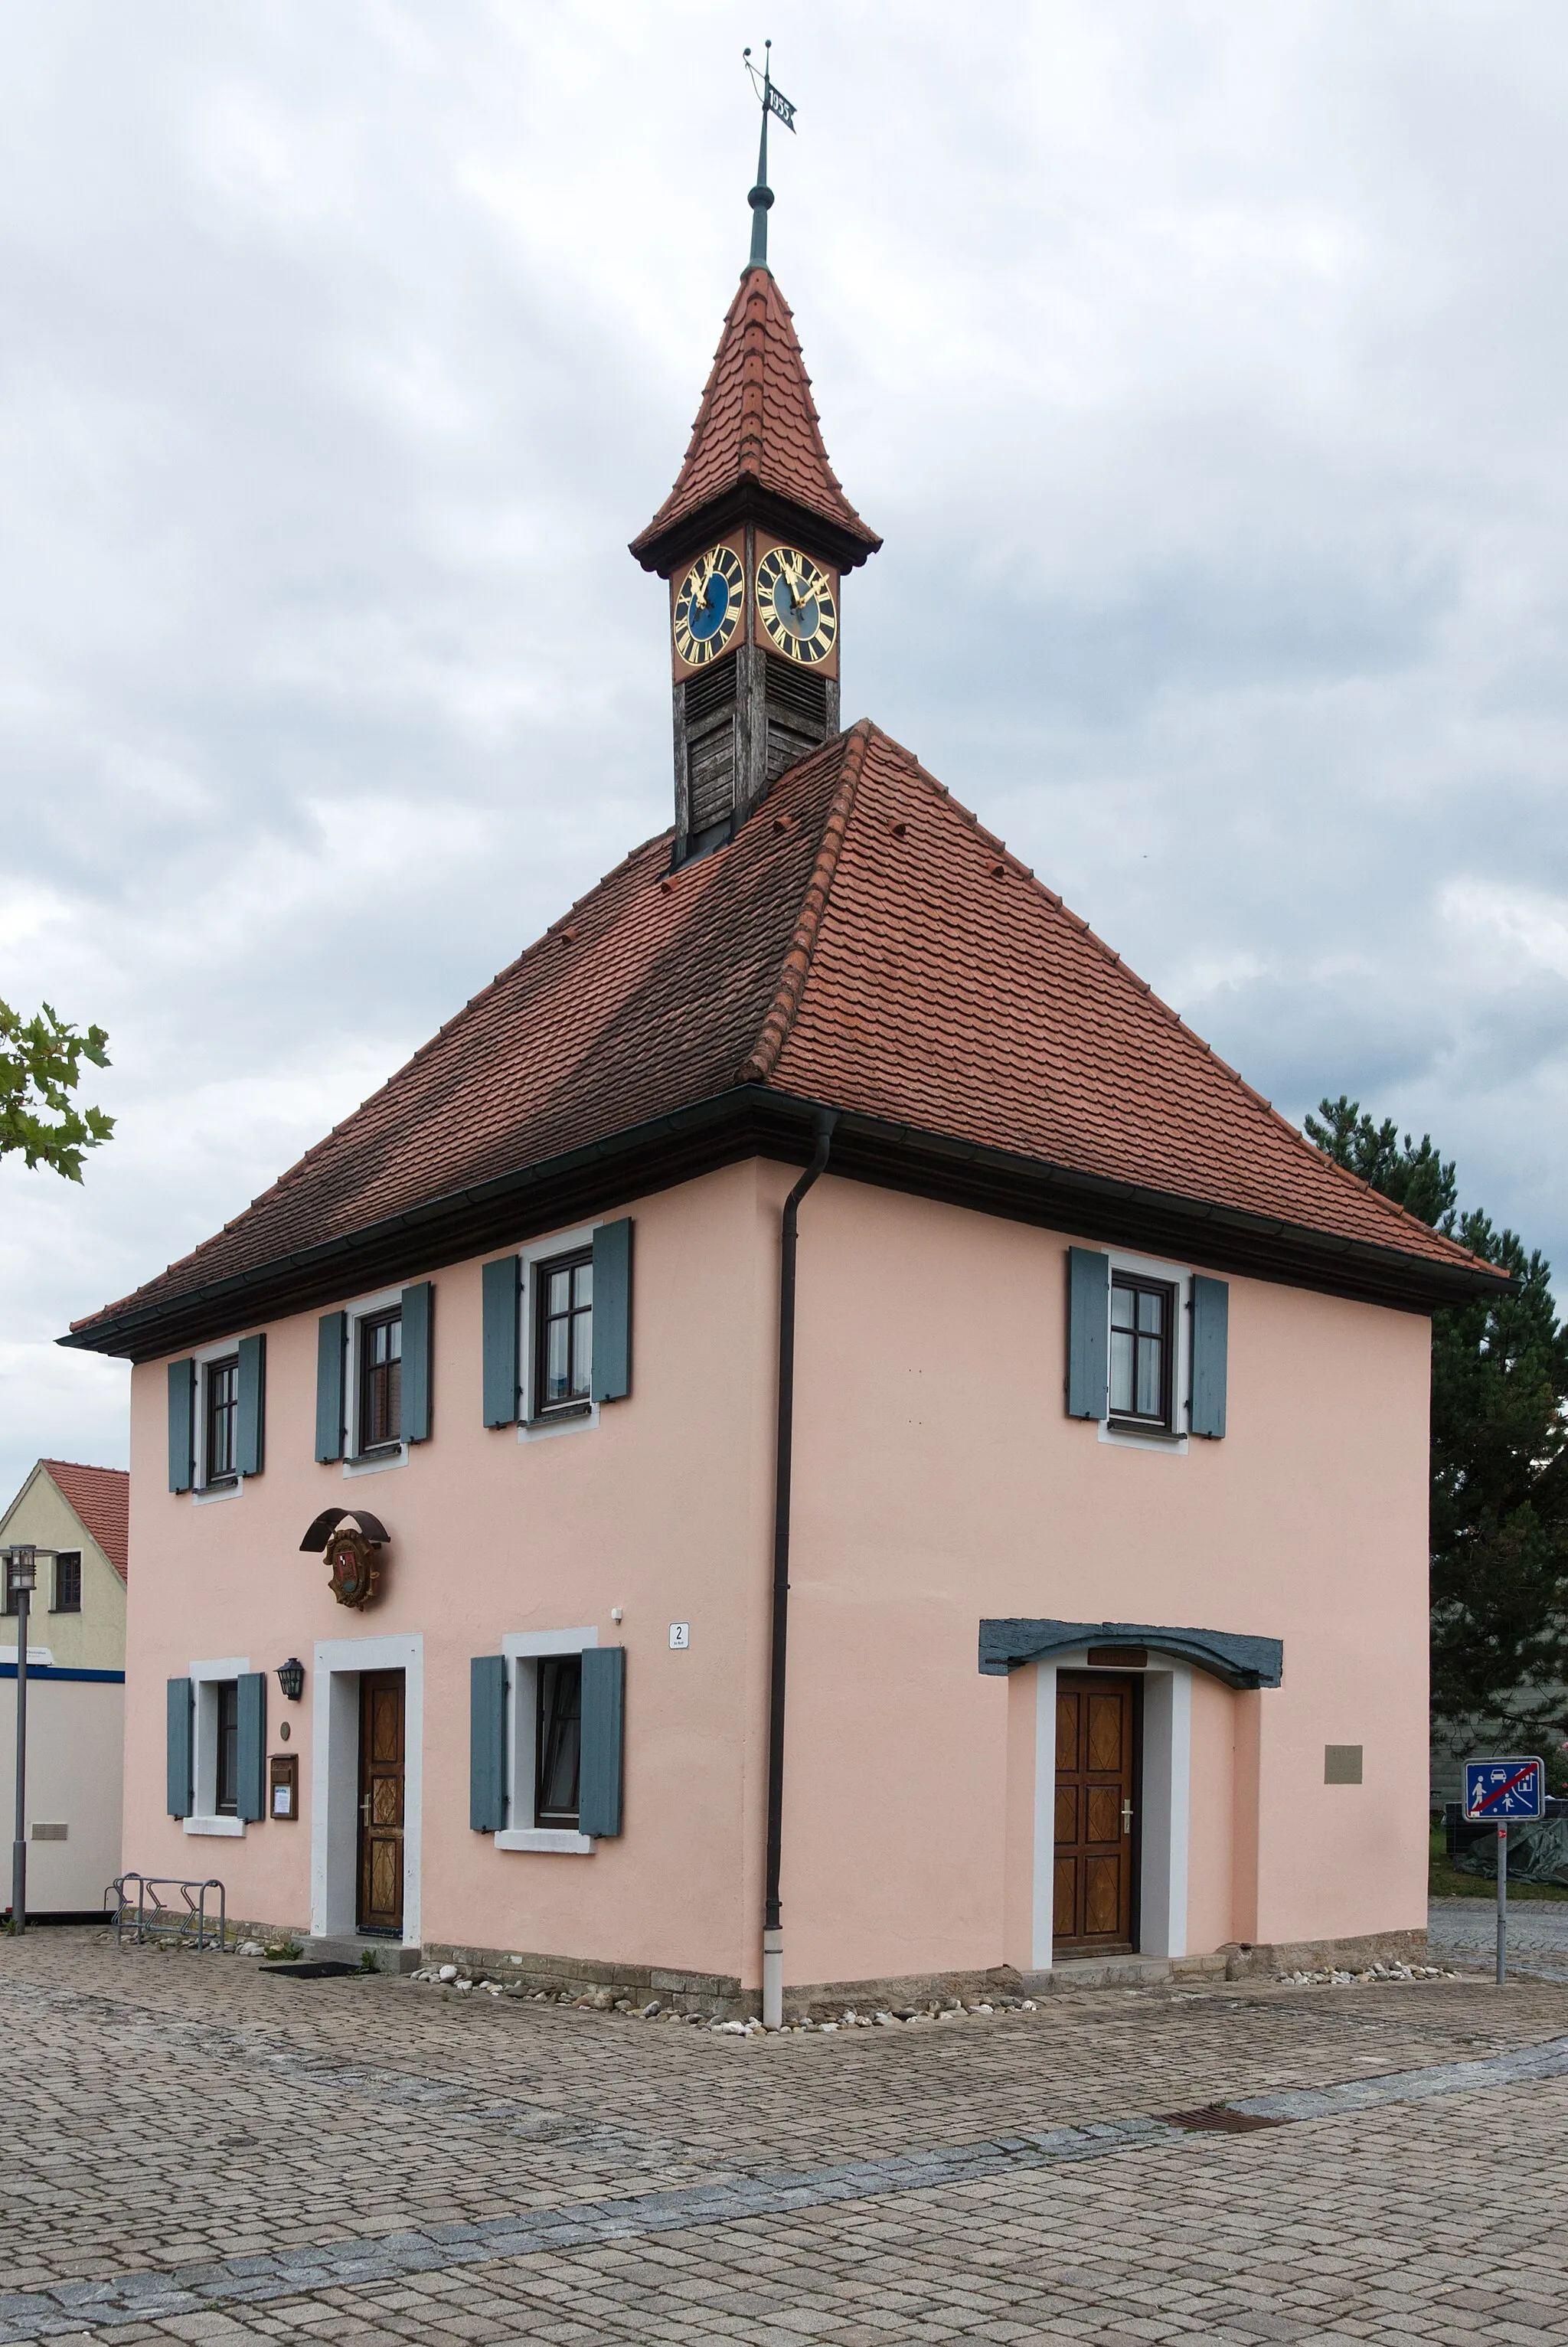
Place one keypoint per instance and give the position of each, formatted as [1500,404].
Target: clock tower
[754,540]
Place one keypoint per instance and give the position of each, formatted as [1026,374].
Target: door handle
[364,1811]
[1126,1816]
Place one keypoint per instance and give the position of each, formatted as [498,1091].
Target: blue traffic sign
[1502,1792]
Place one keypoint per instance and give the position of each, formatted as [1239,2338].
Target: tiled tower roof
[756,446]
[861,944]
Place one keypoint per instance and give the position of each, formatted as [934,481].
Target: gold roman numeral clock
[707,606]
[795,601]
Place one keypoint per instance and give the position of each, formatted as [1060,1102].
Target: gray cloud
[1201,366]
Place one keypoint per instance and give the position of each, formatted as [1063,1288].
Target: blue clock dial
[707,606]
[796,606]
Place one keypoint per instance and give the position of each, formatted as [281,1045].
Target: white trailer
[75,1743]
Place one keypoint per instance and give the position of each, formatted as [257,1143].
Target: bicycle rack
[142,1910]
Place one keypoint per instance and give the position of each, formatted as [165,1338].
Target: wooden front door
[1095,1735]
[381,1801]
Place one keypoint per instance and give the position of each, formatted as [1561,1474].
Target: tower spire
[761,197]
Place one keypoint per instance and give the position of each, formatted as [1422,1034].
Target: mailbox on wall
[283,1786]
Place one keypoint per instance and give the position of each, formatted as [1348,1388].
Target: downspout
[772,1926]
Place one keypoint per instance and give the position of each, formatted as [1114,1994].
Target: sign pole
[1495,1791]
[19,1845]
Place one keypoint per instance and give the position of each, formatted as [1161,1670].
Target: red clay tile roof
[863,943]
[757,423]
[101,1497]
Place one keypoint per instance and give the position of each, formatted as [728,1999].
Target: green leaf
[40,1068]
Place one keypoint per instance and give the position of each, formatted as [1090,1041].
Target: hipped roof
[756,446]
[862,943]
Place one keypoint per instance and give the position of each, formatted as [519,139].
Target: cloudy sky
[1201,364]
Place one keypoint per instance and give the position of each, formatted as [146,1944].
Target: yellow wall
[94,1639]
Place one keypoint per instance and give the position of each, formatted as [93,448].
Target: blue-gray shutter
[488,1743]
[251,1743]
[332,1336]
[1088,1333]
[181,1707]
[611,1379]
[1211,1332]
[603,1725]
[251,1447]
[181,1425]
[499,1285]
[415,1379]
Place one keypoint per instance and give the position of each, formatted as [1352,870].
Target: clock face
[709,605]
[794,597]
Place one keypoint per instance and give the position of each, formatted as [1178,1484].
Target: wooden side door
[381,1748]
[1096,1739]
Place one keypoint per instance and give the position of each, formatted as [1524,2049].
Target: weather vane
[774,101]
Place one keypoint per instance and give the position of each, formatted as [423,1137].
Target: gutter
[784,1458]
[756,1119]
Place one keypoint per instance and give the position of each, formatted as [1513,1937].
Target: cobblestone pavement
[1465,1930]
[207,2154]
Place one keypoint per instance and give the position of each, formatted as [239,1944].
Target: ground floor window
[226,1801]
[560,1733]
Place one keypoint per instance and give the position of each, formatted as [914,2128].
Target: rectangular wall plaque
[1342,1763]
[1119,1658]
[283,1786]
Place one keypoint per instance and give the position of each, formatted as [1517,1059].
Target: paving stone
[358,2161]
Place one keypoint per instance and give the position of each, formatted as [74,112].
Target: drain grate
[1216,2120]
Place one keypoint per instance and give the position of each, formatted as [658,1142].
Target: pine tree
[1499,1459]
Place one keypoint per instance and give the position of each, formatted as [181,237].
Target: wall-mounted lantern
[292,1678]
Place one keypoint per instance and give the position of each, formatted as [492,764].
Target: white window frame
[202,1492]
[522,1650]
[365,1307]
[204,1818]
[530,1426]
[1178,1276]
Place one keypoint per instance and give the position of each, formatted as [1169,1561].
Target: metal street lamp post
[21,1578]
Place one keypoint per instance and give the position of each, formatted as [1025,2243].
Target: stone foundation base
[720,1996]
[1244,1962]
[717,1995]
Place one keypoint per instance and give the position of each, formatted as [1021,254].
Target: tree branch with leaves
[41,1062]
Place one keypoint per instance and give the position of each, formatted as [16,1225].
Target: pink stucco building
[817,1250]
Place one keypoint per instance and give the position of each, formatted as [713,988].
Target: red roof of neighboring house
[861,943]
[101,1497]
[757,427]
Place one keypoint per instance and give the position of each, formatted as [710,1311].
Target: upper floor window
[1142,1350]
[563,1342]
[68,1582]
[220,1404]
[559,1730]
[226,1800]
[381,1381]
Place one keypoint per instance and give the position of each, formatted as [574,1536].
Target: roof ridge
[85,1467]
[1293,1133]
[763,1059]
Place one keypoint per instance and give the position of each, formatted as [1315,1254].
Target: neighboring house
[1083,1452]
[77,1518]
